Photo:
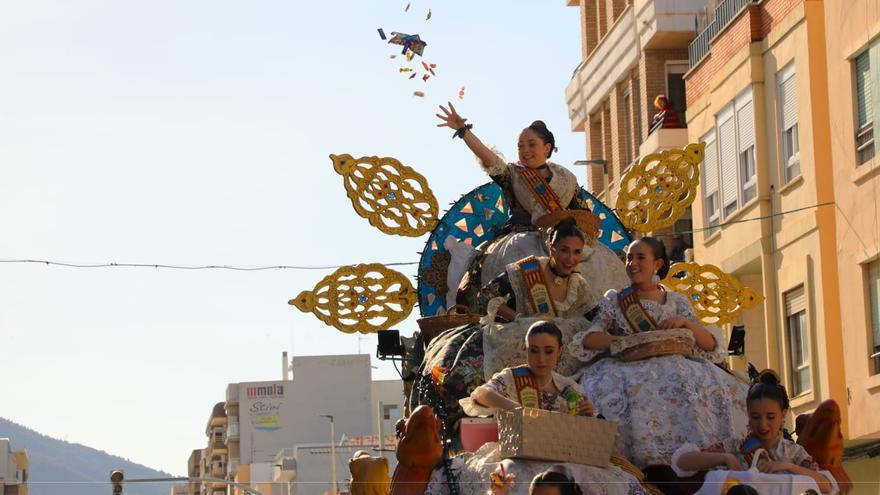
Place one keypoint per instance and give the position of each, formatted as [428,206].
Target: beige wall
[781,253]
[854,23]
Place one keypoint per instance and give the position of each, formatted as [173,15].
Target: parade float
[460,344]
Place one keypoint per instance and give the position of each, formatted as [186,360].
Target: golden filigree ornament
[655,193]
[393,197]
[361,298]
[717,297]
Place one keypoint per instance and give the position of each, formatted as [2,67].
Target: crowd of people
[545,340]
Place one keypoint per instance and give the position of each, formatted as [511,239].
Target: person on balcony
[666,116]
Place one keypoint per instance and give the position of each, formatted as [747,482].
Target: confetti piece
[407,8]
[429,15]
[425,65]
[426,77]
[405,69]
[392,56]
[461,93]
[409,56]
[414,75]
[382,34]
[419,94]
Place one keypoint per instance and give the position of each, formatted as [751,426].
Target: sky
[198,133]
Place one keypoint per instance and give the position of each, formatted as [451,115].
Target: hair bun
[768,377]
[539,123]
[567,221]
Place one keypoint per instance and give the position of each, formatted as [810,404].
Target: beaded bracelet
[460,133]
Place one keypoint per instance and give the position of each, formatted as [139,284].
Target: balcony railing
[725,13]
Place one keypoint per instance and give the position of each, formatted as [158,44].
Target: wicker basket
[432,326]
[652,344]
[528,433]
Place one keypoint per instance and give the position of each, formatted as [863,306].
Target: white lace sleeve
[601,323]
[498,167]
[716,355]
[684,449]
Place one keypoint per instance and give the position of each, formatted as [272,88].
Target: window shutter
[795,301]
[745,121]
[727,147]
[864,114]
[710,166]
[874,291]
[788,102]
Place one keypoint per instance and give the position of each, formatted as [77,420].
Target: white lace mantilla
[563,182]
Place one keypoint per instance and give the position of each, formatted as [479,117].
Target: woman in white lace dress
[663,402]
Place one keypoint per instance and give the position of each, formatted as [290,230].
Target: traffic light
[116,477]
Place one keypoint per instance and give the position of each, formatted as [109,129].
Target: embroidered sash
[539,188]
[749,446]
[526,387]
[636,315]
[536,286]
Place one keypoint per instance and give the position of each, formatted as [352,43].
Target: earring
[655,279]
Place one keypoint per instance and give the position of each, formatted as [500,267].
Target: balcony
[664,139]
[232,393]
[285,466]
[232,432]
[725,13]
[646,24]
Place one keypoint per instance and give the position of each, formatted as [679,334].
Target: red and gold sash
[540,189]
[526,387]
[636,315]
[536,286]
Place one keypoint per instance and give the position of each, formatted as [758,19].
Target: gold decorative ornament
[435,276]
[655,192]
[361,298]
[717,297]
[394,198]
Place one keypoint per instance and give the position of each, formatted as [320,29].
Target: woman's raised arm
[454,121]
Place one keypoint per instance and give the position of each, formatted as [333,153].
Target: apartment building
[633,51]
[276,435]
[853,61]
[757,96]
[13,469]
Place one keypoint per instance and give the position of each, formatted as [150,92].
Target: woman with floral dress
[659,403]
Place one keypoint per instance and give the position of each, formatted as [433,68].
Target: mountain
[63,468]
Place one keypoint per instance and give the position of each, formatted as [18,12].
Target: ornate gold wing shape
[717,297]
[361,298]
[657,190]
[393,197]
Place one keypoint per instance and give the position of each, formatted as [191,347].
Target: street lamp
[332,453]
[603,163]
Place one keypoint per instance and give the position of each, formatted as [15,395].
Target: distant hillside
[62,468]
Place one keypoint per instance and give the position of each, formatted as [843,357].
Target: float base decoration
[819,434]
[361,298]
[717,297]
[655,193]
[369,474]
[528,433]
[394,198]
[419,451]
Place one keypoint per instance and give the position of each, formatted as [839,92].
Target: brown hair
[540,128]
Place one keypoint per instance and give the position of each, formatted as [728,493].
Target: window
[791,158]
[730,172]
[627,128]
[675,88]
[748,173]
[874,294]
[864,106]
[798,341]
[728,158]
[390,412]
[710,182]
